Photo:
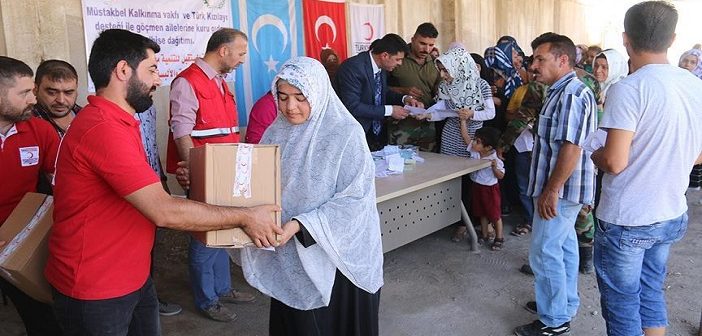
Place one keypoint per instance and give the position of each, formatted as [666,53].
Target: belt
[204,133]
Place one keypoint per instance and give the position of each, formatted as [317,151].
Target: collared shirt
[147,126]
[184,103]
[27,150]
[569,114]
[100,244]
[41,112]
[424,76]
[376,71]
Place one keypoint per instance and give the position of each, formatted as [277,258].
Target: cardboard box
[26,232]
[214,168]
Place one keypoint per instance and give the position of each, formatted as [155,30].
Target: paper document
[395,163]
[415,110]
[595,141]
[525,141]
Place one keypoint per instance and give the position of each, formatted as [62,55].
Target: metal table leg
[471,230]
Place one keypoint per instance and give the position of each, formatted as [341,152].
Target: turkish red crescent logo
[325,20]
[371,32]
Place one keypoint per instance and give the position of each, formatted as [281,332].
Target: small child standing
[485,190]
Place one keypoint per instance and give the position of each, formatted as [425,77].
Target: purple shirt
[184,104]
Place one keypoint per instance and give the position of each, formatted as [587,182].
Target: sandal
[521,230]
[460,234]
[483,240]
[497,244]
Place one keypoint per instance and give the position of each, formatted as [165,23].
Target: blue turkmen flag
[274,29]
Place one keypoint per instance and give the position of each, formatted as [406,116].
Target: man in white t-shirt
[654,136]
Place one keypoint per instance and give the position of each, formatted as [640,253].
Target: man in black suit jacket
[357,80]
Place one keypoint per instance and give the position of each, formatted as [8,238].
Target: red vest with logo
[216,118]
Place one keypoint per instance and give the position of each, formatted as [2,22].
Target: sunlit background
[605,21]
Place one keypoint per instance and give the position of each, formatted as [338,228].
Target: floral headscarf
[694,52]
[464,90]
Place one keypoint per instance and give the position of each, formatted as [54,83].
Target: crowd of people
[536,118]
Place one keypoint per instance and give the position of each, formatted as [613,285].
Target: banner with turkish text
[367,23]
[325,27]
[181,27]
[274,29]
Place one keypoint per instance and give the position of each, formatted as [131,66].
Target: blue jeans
[553,256]
[209,274]
[630,262]
[134,314]
[522,164]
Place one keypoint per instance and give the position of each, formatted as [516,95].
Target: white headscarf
[464,89]
[618,68]
[697,71]
[328,185]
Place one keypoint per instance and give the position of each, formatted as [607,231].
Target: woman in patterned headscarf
[692,61]
[326,280]
[502,58]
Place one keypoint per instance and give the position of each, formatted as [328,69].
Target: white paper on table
[390,150]
[525,141]
[395,163]
[595,141]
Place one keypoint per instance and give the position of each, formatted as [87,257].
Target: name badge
[29,156]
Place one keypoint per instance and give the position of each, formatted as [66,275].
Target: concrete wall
[33,30]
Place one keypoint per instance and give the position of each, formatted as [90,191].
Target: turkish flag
[325,27]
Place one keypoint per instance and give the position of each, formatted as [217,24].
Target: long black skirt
[351,312]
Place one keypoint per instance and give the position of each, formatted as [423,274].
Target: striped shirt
[569,114]
[452,142]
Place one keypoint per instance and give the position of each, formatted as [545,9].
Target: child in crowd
[485,190]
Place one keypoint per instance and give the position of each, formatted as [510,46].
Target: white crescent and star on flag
[262,21]
[322,20]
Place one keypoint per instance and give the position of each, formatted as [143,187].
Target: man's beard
[139,95]
[8,114]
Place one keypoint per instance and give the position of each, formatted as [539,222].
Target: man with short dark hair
[561,180]
[108,201]
[27,151]
[362,84]
[203,111]
[418,77]
[642,210]
[56,89]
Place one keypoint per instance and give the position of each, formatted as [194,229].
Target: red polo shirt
[100,245]
[27,150]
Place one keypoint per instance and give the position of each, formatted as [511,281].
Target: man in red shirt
[108,201]
[203,111]
[27,150]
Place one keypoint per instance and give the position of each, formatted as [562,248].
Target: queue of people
[533,117]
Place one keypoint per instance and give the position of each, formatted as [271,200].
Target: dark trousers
[377,142]
[38,317]
[351,312]
[134,314]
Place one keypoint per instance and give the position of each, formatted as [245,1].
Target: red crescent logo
[371,32]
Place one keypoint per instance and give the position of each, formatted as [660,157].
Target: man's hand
[465,114]
[411,101]
[2,243]
[423,116]
[289,230]
[399,113]
[547,203]
[260,226]
[183,175]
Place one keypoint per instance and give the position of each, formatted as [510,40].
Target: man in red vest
[203,111]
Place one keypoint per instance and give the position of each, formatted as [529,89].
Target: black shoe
[168,309]
[537,328]
[526,269]
[531,307]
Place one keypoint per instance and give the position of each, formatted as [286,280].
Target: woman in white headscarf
[463,91]
[325,277]
[609,67]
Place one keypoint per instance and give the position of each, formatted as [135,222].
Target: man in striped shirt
[561,181]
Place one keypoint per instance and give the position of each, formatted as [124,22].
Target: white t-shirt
[485,176]
[662,105]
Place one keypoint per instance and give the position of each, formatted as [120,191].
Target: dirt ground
[434,287]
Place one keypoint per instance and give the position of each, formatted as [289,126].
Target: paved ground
[435,287]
